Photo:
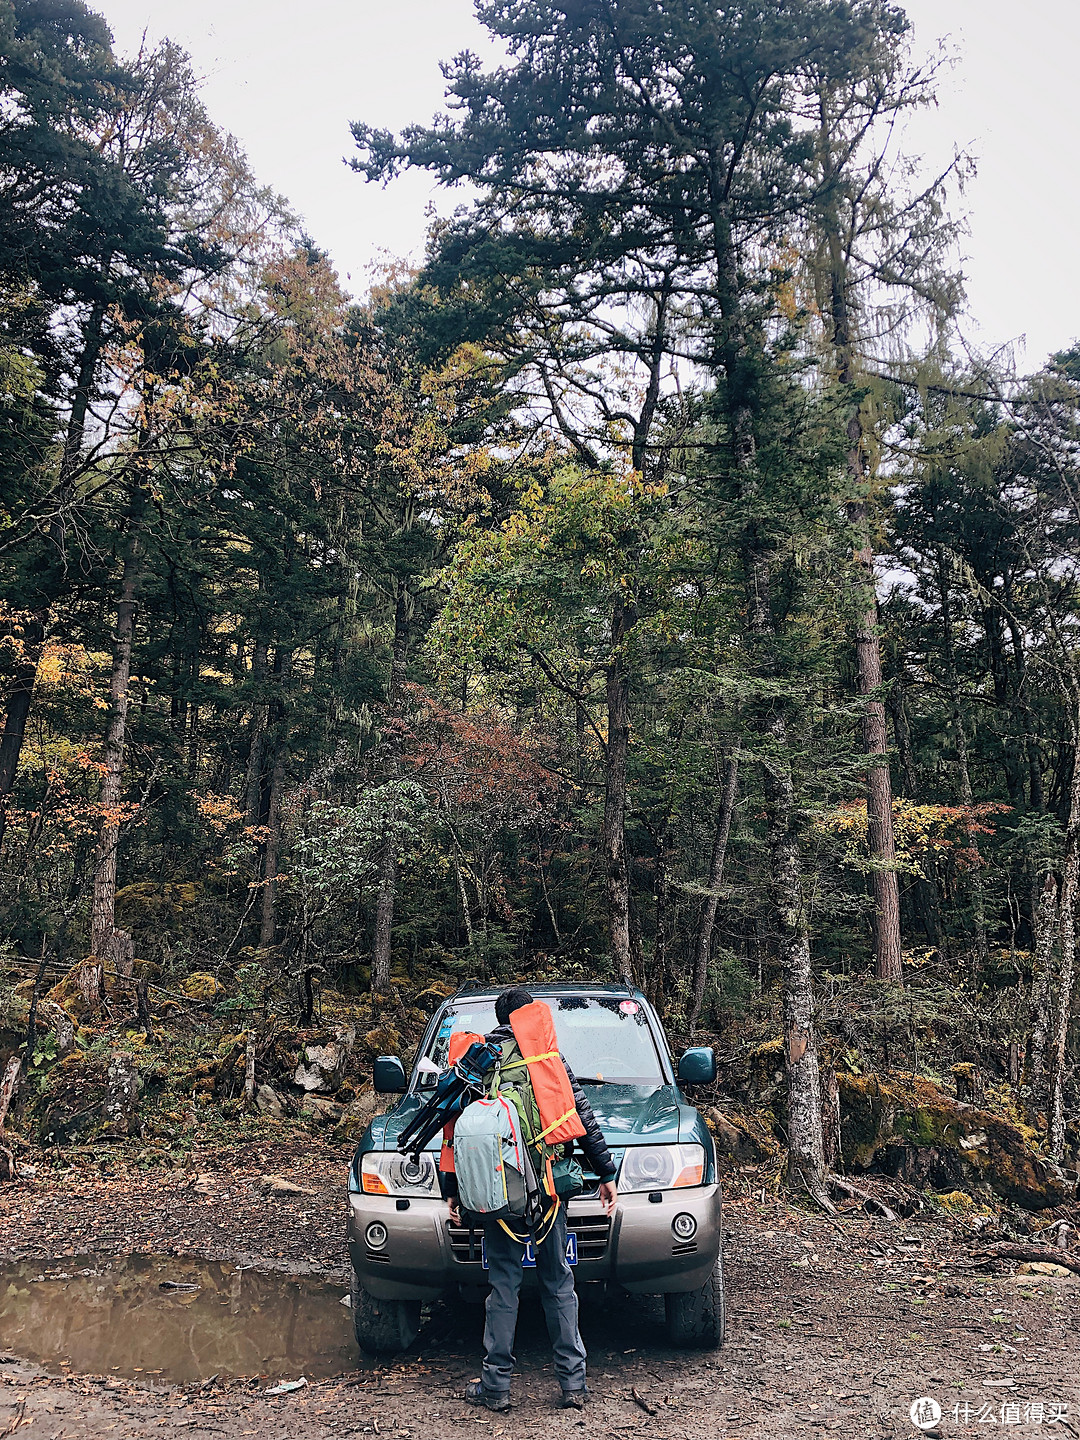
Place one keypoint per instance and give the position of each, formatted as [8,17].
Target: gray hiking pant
[557,1294]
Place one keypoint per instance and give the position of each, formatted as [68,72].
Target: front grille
[592,1231]
[464,1243]
[686,1247]
[378,1257]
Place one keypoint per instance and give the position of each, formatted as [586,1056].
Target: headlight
[662,1167]
[385,1172]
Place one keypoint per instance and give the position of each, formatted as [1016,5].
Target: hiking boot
[475,1394]
[574,1399]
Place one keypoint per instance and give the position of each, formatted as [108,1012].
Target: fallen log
[1049,1254]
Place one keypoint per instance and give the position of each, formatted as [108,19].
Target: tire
[699,1317]
[383,1327]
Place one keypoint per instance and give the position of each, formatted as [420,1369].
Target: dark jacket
[592,1143]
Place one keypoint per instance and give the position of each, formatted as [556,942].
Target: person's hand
[455,1209]
[609,1197]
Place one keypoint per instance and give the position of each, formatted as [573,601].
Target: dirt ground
[835,1326]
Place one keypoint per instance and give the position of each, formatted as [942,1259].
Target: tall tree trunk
[18,708]
[1045,909]
[710,905]
[613,838]
[103,917]
[19,697]
[283,660]
[806,1161]
[1070,885]
[885,883]
[388,855]
[253,803]
[888,963]
[978,899]
[927,895]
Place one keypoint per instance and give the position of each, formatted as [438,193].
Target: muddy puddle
[165,1319]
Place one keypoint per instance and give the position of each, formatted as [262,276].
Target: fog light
[684,1227]
[375,1234]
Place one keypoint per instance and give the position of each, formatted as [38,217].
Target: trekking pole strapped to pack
[457,1087]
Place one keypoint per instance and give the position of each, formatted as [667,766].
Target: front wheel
[383,1327]
[699,1317]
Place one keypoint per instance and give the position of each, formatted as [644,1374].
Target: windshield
[602,1037]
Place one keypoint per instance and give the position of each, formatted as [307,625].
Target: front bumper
[424,1255]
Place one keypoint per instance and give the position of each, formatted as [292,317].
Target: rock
[201,986]
[1042,1267]
[269,1102]
[318,1108]
[122,1087]
[359,1115]
[323,1066]
[278,1185]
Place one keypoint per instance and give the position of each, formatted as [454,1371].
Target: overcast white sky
[286,79]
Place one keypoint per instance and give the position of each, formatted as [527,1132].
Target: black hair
[509,1001]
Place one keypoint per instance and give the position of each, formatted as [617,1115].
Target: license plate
[528,1258]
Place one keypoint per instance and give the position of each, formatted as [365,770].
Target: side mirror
[697,1066]
[388,1074]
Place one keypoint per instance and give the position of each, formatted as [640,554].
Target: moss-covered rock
[202,986]
[742,1138]
[765,1070]
[383,1040]
[911,1129]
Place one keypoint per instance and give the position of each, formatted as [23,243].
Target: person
[555,1277]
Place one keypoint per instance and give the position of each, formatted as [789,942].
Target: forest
[652,584]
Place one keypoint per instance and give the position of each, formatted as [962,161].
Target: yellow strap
[522,1240]
[530,1060]
[556,1123]
[549,1221]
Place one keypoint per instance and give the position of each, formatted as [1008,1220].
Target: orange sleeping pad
[459,1043]
[534,1031]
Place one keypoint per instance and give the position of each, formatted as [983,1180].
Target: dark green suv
[664,1238]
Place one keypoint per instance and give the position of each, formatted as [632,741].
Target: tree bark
[613,837]
[388,856]
[711,903]
[103,917]
[1070,884]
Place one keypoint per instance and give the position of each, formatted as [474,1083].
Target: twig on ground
[640,1400]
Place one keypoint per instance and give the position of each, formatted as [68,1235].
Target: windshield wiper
[617,1080]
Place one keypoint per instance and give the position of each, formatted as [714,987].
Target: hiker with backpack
[507,1159]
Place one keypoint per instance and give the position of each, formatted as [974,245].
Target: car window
[602,1037]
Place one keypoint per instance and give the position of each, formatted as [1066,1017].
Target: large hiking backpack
[495,1175]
